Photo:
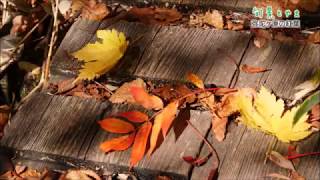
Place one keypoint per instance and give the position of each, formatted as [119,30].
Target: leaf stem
[303,155]
[205,140]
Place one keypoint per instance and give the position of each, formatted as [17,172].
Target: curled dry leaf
[251,69]
[281,161]
[94,11]
[215,19]
[315,37]
[140,143]
[196,80]
[115,125]
[123,93]
[161,16]
[118,144]
[134,116]
[146,100]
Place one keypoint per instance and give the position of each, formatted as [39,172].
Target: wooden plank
[176,51]
[60,127]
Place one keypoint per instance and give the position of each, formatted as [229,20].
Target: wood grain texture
[176,51]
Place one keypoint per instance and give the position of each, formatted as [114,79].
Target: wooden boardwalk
[61,132]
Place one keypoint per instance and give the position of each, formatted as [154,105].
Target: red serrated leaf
[144,99]
[196,80]
[134,116]
[118,144]
[140,143]
[250,69]
[115,125]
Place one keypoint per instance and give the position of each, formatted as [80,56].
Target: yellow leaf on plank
[101,56]
[266,113]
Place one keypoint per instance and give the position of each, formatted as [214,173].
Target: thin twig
[52,41]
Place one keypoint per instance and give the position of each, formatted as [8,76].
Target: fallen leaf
[161,16]
[93,10]
[195,161]
[115,125]
[82,174]
[123,93]
[281,161]
[196,80]
[251,69]
[215,19]
[118,144]
[292,151]
[224,91]
[144,99]
[266,113]
[162,122]
[306,87]
[207,100]
[134,116]
[167,115]
[171,92]
[294,175]
[315,37]
[219,126]
[65,85]
[140,143]
[314,118]
[101,56]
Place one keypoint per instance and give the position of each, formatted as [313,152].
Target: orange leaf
[219,127]
[134,116]
[250,69]
[167,116]
[144,99]
[118,144]
[156,128]
[140,143]
[196,80]
[115,125]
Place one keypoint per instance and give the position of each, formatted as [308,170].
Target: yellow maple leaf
[102,55]
[265,113]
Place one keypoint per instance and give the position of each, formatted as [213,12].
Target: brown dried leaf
[219,126]
[280,160]
[94,11]
[171,92]
[195,161]
[207,100]
[251,69]
[161,16]
[214,18]
[123,93]
[314,117]
[315,37]
[196,80]
[82,174]
[278,176]
[294,175]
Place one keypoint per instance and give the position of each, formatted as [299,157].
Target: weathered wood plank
[176,51]
[60,127]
